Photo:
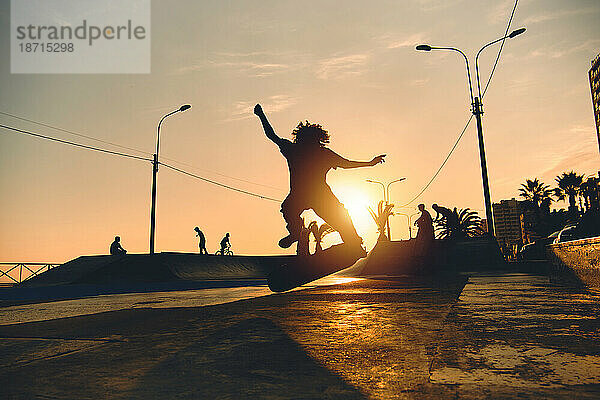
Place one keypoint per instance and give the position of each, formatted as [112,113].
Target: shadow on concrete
[366,338]
[29,295]
[254,358]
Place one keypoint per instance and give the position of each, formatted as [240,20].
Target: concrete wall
[405,257]
[578,259]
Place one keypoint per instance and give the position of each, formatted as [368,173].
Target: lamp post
[386,198]
[407,224]
[154,172]
[410,223]
[477,110]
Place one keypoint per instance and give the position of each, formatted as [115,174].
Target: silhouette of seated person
[201,241]
[116,249]
[450,217]
[308,162]
[425,225]
[225,244]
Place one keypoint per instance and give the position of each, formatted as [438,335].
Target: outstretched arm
[266,125]
[357,164]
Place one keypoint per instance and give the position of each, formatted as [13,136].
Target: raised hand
[378,159]
[258,110]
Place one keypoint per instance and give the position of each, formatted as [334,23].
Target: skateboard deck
[304,269]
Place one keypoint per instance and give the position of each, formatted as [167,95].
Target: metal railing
[25,271]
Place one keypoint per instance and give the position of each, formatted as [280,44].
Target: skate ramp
[195,267]
[163,267]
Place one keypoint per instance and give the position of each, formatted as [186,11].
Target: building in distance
[594,74]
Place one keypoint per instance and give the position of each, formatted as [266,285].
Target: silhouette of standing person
[225,244]
[115,247]
[425,225]
[309,161]
[201,241]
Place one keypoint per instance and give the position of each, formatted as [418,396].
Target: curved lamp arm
[425,47]
[511,35]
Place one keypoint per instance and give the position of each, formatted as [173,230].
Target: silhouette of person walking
[201,241]
[115,247]
[309,161]
[225,244]
[425,225]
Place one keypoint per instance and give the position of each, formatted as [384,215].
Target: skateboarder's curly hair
[306,132]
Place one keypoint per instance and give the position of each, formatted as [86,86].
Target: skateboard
[304,269]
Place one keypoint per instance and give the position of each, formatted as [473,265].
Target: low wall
[577,259]
[407,258]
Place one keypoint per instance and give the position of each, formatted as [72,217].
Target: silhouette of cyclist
[225,244]
[309,161]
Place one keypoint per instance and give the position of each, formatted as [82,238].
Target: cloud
[408,41]
[435,5]
[581,156]
[273,104]
[535,19]
[565,48]
[254,64]
[418,82]
[500,13]
[343,66]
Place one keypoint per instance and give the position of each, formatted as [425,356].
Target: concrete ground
[494,336]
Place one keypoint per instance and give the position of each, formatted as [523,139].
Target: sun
[357,203]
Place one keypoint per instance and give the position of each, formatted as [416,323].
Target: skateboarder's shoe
[287,241]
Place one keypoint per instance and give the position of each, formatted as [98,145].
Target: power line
[470,118]
[223,175]
[501,47]
[22,131]
[219,184]
[129,148]
[73,143]
[441,166]
[73,133]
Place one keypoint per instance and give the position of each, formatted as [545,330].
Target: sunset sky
[350,66]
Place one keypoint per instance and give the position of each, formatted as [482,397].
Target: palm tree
[569,185]
[590,190]
[319,232]
[536,193]
[469,225]
[381,217]
[465,223]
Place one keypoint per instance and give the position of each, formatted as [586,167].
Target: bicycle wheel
[229,253]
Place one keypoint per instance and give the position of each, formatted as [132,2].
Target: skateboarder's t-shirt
[308,165]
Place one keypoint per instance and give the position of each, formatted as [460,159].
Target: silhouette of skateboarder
[201,241]
[309,161]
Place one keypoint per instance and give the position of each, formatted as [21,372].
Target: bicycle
[228,252]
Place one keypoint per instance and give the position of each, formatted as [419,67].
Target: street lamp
[477,109]
[386,198]
[409,222]
[154,172]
